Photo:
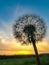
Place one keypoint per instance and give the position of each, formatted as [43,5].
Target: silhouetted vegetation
[23,59]
[30,29]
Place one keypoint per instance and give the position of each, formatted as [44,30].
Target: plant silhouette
[30,29]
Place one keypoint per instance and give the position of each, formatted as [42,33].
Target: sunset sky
[11,10]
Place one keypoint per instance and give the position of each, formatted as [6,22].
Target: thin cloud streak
[8,45]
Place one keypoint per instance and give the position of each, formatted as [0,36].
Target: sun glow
[13,47]
[24,52]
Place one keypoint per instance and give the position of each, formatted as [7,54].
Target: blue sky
[10,10]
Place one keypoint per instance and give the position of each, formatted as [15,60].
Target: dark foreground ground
[24,60]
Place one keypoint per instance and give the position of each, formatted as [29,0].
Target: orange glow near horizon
[13,47]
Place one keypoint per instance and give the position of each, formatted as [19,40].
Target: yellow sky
[13,47]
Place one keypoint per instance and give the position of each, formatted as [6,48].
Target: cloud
[21,10]
[47,34]
[14,47]
[6,29]
[8,45]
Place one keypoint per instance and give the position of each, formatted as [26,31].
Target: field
[23,60]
